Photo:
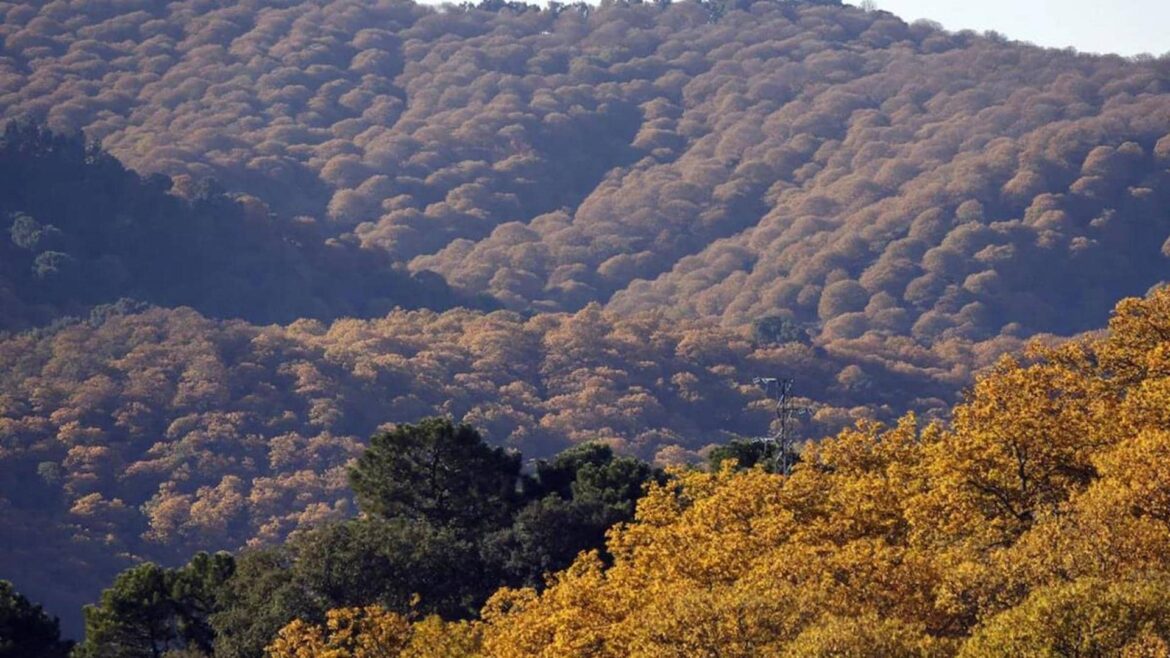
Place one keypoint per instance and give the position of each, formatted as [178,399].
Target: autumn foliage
[666,199]
[372,632]
[708,159]
[158,433]
[1037,522]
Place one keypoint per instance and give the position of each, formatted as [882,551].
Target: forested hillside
[296,221]
[1035,524]
[77,229]
[711,159]
[155,433]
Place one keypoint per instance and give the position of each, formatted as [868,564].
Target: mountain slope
[670,199]
[714,160]
[155,433]
[77,229]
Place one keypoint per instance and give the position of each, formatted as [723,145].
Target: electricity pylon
[783,439]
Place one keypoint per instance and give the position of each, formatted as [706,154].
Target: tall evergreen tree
[151,610]
[25,630]
[438,472]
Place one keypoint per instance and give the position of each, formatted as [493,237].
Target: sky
[1126,27]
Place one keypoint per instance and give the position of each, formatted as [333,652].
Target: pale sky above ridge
[1126,27]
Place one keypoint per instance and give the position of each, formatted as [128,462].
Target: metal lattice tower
[783,439]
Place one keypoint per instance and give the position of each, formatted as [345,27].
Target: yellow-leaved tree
[1036,522]
[373,632]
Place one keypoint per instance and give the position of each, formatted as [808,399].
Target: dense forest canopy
[77,229]
[154,433]
[447,520]
[215,216]
[712,159]
[1036,522]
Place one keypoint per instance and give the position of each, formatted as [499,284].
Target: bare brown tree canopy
[666,199]
[646,155]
